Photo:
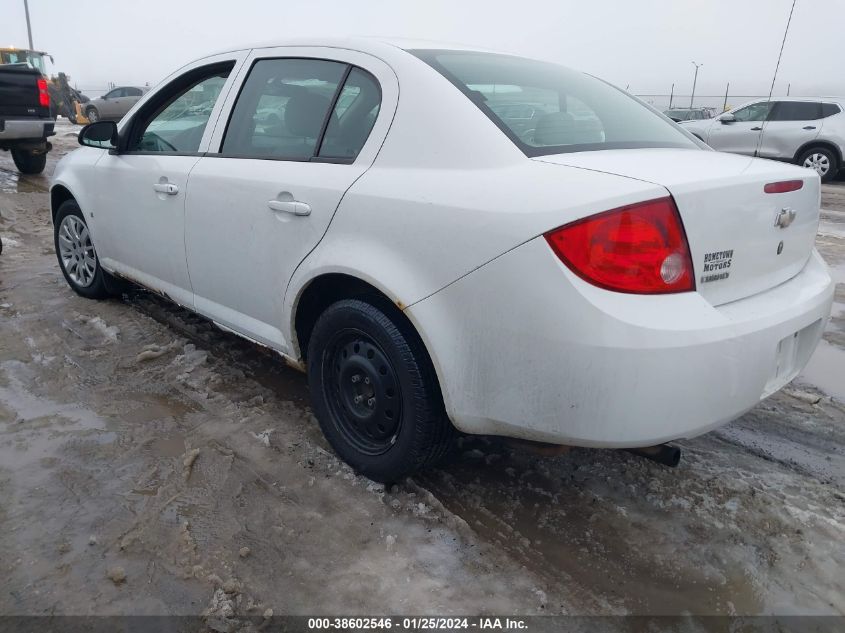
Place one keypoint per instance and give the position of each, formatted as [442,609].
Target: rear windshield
[548,109]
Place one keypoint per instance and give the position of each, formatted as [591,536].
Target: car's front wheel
[28,162]
[823,160]
[374,391]
[75,251]
[92,114]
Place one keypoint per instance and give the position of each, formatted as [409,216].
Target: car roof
[374,45]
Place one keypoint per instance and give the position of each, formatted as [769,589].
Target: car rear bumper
[524,348]
[26,129]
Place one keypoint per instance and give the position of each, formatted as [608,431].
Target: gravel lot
[151,464]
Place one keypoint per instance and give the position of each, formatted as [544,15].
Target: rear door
[108,105]
[742,135]
[791,124]
[140,212]
[130,98]
[304,125]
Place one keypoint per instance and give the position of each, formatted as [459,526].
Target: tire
[362,350]
[72,241]
[92,114]
[28,162]
[823,160]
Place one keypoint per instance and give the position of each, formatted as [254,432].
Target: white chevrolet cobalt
[452,239]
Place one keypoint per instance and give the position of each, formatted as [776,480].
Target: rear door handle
[809,127]
[756,129]
[166,187]
[290,206]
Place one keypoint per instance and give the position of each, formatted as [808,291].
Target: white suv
[808,131]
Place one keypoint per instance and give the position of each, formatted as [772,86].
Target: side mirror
[102,135]
[727,118]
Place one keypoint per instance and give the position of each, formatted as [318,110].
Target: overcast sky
[647,44]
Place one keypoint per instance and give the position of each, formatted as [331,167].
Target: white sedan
[452,239]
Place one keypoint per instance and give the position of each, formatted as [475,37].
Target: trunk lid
[737,248]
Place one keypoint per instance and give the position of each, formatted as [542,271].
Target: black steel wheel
[374,390]
[363,392]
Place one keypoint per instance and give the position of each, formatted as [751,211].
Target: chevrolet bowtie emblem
[784,217]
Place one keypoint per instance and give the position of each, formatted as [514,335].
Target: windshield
[548,109]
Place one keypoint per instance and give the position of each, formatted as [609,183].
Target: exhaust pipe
[665,454]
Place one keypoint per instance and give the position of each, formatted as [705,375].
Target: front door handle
[166,187]
[756,129]
[290,206]
[809,127]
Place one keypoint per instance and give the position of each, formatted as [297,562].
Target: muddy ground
[151,464]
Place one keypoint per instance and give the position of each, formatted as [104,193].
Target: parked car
[25,121]
[807,131]
[689,114]
[430,269]
[114,104]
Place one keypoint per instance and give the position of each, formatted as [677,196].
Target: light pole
[694,81]
[28,27]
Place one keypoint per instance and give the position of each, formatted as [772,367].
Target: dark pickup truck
[25,121]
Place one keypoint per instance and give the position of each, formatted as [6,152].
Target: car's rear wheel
[92,114]
[374,391]
[823,160]
[76,254]
[28,162]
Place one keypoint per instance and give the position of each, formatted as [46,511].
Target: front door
[302,130]
[140,216]
[742,135]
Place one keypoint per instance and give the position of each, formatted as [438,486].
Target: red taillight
[640,249]
[43,95]
[784,186]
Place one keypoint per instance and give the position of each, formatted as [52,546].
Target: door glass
[754,112]
[353,117]
[282,108]
[796,111]
[178,126]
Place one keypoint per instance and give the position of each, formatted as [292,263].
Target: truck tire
[29,162]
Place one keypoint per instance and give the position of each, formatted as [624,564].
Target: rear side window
[283,108]
[829,109]
[796,111]
[548,109]
[353,117]
[132,92]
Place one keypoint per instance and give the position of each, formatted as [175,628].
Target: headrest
[304,114]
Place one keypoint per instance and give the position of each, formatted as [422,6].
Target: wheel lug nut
[356,378]
[366,380]
[358,399]
[371,402]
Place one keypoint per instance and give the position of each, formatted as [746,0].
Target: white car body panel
[558,360]
[444,215]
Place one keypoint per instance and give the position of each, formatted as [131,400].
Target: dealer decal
[716,266]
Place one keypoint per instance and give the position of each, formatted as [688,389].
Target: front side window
[113,94]
[178,124]
[754,112]
[570,111]
[796,111]
[282,108]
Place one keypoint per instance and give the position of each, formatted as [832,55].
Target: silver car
[808,131]
[114,104]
